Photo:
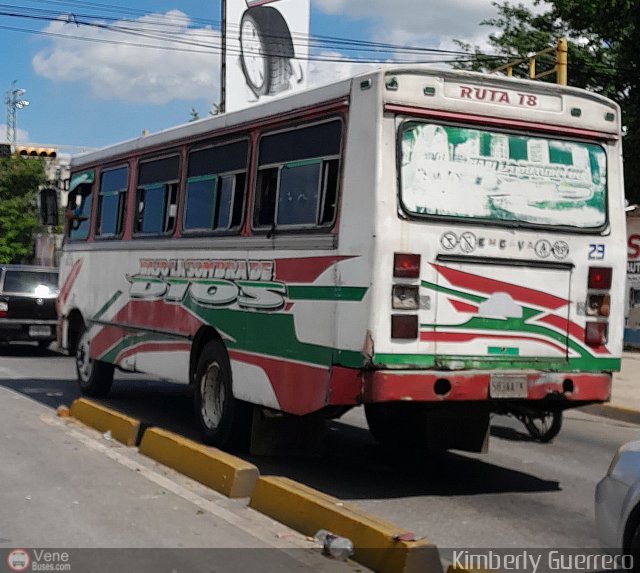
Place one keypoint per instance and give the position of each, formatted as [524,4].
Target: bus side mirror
[49,207]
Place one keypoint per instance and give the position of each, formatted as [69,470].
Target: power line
[141,29]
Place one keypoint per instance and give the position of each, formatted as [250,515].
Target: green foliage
[20,180]
[603,55]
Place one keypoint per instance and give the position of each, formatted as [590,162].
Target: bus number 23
[596,251]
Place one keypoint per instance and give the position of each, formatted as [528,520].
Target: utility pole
[559,69]
[13,100]
[223,59]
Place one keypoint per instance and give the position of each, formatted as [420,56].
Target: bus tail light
[405,297]
[598,305]
[600,278]
[406,266]
[404,326]
[4,309]
[596,333]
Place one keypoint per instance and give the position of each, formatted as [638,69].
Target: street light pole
[13,100]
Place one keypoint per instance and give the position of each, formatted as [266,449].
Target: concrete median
[214,468]
[378,544]
[123,428]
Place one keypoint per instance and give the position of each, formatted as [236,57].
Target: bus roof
[315,96]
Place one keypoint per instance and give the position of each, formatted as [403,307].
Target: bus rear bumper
[475,385]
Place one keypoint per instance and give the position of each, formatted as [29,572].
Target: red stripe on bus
[158,315]
[575,330]
[299,388]
[69,281]
[304,269]
[490,286]
[103,340]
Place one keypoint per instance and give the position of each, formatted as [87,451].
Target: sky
[105,87]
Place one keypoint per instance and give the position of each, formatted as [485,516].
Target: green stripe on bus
[271,334]
[586,364]
[501,351]
[326,293]
[106,305]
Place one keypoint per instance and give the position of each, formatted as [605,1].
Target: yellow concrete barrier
[122,427]
[216,469]
[378,544]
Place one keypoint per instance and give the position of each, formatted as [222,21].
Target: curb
[123,428]
[378,544]
[613,412]
[214,468]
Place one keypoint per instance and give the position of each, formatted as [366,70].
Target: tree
[603,55]
[20,180]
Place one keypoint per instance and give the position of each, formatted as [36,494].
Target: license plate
[508,386]
[39,331]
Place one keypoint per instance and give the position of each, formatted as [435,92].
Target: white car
[617,503]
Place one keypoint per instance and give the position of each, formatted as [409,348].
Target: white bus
[433,245]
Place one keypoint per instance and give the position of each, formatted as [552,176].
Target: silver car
[618,502]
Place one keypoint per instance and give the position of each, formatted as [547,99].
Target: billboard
[632,330]
[267,49]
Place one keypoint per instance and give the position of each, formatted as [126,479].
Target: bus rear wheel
[94,377]
[225,422]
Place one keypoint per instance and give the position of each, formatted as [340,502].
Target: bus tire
[225,422]
[266,49]
[543,426]
[94,377]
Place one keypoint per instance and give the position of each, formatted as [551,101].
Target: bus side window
[297,182]
[157,196]
[111,202]
[266,194]
[79,209]
[216,188]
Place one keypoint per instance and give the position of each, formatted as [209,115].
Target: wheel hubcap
[212,394]
[542,424]
[83,358]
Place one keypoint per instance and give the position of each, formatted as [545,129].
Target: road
[65,486]
[521,494]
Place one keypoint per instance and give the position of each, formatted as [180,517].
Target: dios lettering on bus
[209,282]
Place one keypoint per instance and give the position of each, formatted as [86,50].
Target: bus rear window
[477,174]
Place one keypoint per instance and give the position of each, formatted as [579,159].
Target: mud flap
[466,430]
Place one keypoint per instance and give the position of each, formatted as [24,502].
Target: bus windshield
[473,173]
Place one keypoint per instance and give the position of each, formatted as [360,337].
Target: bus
[436,246]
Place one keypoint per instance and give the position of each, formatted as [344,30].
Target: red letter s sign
[633,247]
